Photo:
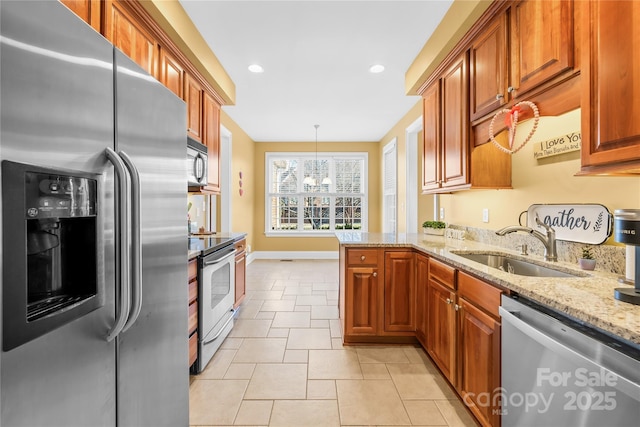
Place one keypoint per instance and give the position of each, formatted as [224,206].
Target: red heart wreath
[511,121]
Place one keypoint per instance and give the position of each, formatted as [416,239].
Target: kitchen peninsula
[588,298]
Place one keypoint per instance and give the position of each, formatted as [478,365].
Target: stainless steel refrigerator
[71,105]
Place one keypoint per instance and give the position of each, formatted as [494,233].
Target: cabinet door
[130,37]
[361,301]
[441,328]
[610,78]
[479,362]
[88,10]
[171,73]
[431,138]
[399,291]
[241,272]
[455,124]
[488,68]
[541,41]
[211,138]
[422,282]
[193,98]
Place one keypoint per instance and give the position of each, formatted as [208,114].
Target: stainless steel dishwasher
[558,372]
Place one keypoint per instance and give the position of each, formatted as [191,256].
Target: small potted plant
[586,262]
[434,227]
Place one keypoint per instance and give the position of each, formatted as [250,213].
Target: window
[305,196]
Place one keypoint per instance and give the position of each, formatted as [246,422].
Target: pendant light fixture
[313,178]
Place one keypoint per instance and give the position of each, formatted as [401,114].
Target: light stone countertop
[588,299]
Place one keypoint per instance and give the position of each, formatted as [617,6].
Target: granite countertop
[194,253]
[588,298]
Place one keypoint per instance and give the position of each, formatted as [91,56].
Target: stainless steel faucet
[549,241]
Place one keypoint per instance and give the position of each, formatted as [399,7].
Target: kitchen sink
[514,265]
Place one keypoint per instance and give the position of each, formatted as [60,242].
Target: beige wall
[264,243]
[242,158]
[548,180]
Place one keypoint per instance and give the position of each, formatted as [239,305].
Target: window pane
[316,213]
[284,213]
[284,178]
[348,176]
[348,212]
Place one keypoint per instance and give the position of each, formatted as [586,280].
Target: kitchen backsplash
[609,258]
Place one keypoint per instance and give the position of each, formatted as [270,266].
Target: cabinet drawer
[240,246]
[192,270]
[479,293]
[362,257]
[193,316]
[443,273]
[193,348]
[193,291]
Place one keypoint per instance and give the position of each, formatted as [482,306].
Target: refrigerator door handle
[136,242]
[123,233]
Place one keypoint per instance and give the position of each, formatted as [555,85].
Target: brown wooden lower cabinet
[422,282]
[192,330]
[241,271]
[451,313]
[441,318]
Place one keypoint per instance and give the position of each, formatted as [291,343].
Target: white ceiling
[316,56]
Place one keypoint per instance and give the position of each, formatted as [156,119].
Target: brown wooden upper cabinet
[171,73]
[128,34]
[542,42]
[488,70]
[520,49]
[446,123]
[193,98]
[88,10]
[610,81]
[211,138]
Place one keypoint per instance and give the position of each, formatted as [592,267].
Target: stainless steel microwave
[197,158]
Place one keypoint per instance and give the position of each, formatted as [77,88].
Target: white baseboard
[292,255]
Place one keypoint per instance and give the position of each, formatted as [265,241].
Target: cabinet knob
[511,89]
[375,274]
[456,307]
[448,301]
[362,258]
[499,96]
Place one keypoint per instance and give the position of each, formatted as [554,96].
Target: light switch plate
[485,215]
[441,214]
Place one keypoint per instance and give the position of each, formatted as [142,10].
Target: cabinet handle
[456,307]
[375,274]
[511,89]
[499,96]
[448,301]
[362,258]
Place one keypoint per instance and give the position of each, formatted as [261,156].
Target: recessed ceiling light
[255,68]
[377,68]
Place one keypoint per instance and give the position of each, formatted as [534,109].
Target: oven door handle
[219,260]
[136,242]
[124,303]
[233,313]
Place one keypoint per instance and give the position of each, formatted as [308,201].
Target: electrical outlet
[441,214]
[485,215]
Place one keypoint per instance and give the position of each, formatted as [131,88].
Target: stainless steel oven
[216,296]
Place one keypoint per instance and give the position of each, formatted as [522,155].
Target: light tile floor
[284,364]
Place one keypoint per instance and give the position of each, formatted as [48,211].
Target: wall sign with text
[566,143]
[580,223]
